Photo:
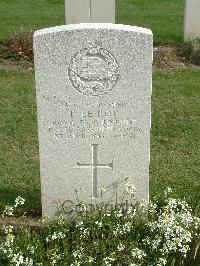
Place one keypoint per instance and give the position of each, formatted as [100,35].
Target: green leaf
[173,262]
[196,249]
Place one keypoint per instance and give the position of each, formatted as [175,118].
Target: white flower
[61,235]
[79,224]
[83,207]
[90,259]
[120,247]
[138,253]
[19,201]
[4,250]
[152,207]
[168,191]
[45,218]
[118,214]
[161,262]
[130,189]
[9,240]
[31,248]
[107,214]
[55,258]
[8,229]
[122,229]
[143,206]
[18,259]
[126,227]
[54,236]
[131,211]
[108,261]
[86,232]
[173,227]
[8,211]
[99,223]
[77,253]
[28,262]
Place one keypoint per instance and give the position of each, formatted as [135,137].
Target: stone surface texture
[93,84]
[192,20]
[88,11]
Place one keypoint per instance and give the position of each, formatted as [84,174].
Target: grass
[28,14]
[174,143]
[163,17]
[19,173]
[175,133]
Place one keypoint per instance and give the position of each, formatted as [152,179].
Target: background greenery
[175,119]
[174,139]
[163,17]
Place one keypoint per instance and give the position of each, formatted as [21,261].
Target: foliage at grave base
[18,46]
[191,51]
[164,232]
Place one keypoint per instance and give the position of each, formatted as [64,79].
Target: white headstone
[192,20]
[88,11]
[94,112]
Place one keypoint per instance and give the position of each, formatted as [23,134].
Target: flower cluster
[9,210]
[172,231]
[159,233]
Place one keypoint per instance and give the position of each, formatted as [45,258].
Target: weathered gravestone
[78,11]
[192,20]
[94,112]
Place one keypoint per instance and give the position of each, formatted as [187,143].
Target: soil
[170,57]
[18,222]
[165,57]
[14,64]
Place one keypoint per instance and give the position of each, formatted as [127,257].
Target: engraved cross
[95,165]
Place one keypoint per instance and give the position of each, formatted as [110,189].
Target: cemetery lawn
[174,139]
[19,173]
[164,18]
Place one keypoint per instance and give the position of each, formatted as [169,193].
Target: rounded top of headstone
[93,26]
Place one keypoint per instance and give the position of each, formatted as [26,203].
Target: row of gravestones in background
[104,11]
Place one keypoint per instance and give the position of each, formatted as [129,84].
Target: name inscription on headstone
[86,120]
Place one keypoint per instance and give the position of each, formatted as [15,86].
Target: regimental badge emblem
[93,71]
